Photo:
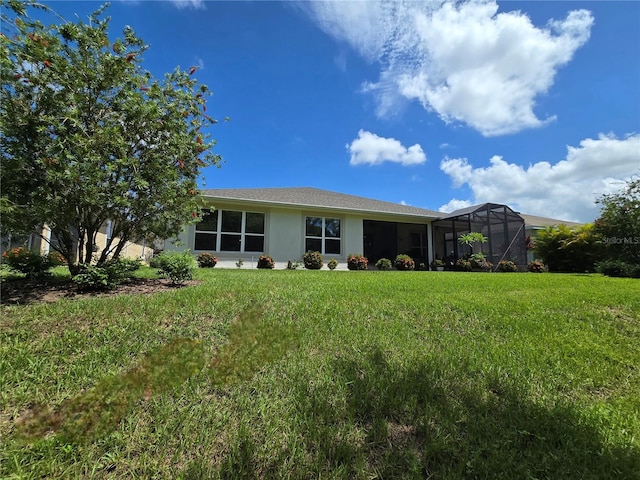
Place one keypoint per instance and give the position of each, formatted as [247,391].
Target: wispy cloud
[370,149]
[462,60]
[194,4]
[566,190]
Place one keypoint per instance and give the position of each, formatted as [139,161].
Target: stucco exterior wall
[352,237]
[285,233]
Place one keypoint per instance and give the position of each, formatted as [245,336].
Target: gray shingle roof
[314,197]
[535,221]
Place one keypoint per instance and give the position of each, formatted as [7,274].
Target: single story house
[284,223]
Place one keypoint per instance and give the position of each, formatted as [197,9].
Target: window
[230,231]
[322,235]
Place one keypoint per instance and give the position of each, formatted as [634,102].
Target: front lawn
[317,374]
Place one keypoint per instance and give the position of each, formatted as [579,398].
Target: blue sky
[434,104]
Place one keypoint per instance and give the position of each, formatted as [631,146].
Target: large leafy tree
[89,136]
[619,223]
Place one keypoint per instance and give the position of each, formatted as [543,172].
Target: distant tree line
[610,245]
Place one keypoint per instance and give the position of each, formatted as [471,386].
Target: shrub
[384,264]
[565,249]
[463,265]
[207,260]
[355,261]
[90,277]
[266,262]
[405,262]
[119,269]
[154,262]
[618,268]
[56,259]
[129,264]
[507,266]
[26,261]
[479,262]
[536,266]
[437,263]
[332,264]
[176,266]
[312,260]
[293,265]
[483,265]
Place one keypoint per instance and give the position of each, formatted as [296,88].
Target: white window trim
[323,237]
[243,225]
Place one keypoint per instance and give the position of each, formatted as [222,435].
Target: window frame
[243,234]
[323,234]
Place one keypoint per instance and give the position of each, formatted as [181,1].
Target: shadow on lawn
[419,422]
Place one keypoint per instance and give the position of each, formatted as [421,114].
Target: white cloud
[462,60]
[370,149]
[566,190]
[195,4]
[402,202]
[454,204]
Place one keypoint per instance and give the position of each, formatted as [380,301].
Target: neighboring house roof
[314,197]
[535,221]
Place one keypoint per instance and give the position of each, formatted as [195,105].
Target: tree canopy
[619,223]
[87,135]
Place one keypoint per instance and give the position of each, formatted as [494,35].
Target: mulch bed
[24,291]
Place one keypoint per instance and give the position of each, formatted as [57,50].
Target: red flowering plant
[207,260]
[536,266]
[507,266]
[404,262]
[266,262]
[27,261]
[355,261]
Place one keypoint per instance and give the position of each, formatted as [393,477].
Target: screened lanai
[503,228]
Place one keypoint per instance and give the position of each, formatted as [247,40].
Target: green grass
[302,374]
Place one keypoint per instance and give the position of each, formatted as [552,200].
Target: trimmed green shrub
[404,262]
[91,277]
[176,266]
[507,266]
[463,265]
[106,276]
[536,266]
[332,264]
[207,260]
[266,262]
[154,262]
[128,264]
[384,264]
[119,270]
[312,260]
[618,268]
[355,261]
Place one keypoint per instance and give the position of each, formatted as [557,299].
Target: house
[286,222]
[42,243]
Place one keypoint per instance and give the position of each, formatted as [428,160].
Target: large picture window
[230,231]
[322,235]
